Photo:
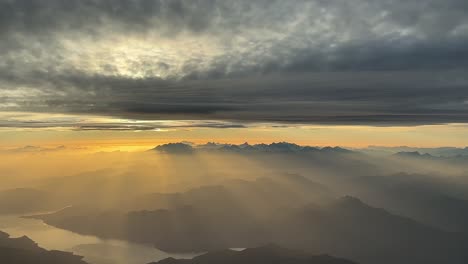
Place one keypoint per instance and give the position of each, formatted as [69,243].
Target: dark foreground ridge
[269,254]
[23,250]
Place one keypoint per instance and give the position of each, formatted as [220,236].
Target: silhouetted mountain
[262,255]
[23,200]
[175,148]
[23,250]
[427,199]
[204,218]
[285,190]
[280,147]
[336,149]
[354,230]
[437,152]
[459,160]
[347,227]
[413,154]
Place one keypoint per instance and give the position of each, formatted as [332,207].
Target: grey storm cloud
[334,62]
[82,124]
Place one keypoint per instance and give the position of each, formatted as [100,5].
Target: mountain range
[269,254]
[344,227]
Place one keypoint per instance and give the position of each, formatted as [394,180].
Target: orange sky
[347,136]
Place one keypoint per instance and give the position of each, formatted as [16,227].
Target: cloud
[157,127]
[332,62]
[90,123]
[33,149]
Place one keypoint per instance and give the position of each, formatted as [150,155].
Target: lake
[94,249]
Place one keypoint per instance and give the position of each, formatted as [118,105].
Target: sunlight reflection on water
[94,249]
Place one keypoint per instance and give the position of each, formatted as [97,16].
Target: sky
[316,72]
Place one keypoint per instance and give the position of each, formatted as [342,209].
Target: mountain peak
[175,148]
[350,202]
[413,154]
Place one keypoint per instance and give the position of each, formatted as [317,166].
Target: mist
[185,199]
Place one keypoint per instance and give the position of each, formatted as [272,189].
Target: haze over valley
[233,131]
[346,203]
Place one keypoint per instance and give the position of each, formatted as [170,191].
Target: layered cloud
[362,62]
[28,121]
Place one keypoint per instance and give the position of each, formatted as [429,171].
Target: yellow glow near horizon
[110,133]
[347,136]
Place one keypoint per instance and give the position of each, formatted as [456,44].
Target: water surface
[94,249]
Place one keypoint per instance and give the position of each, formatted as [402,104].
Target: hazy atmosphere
[212,131]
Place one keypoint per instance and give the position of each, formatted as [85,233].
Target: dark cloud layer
[336,62]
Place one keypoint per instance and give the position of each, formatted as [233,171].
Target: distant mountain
[438,152]
[413,154]
[24,200]
[285,190]
[262,255]
[354,230]
[201,219]
[175,148]
[346,227]
[23,250]
[280,147]
[436,201]
[411,158]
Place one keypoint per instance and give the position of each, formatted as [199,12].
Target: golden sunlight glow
[134,56]
[103,133]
